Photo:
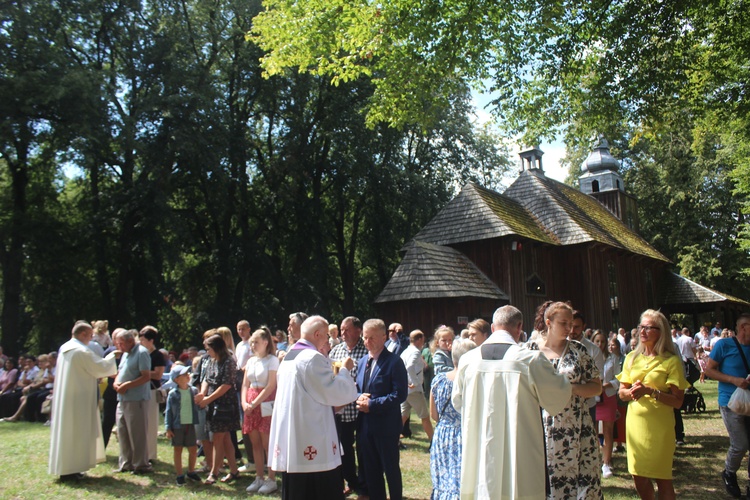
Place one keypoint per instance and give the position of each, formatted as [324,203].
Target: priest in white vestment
[303,443]
[499,389]
[76,443]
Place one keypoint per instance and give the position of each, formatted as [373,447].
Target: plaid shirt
[340,353]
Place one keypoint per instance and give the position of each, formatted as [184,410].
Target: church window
[614,299]
[535,285]
[649,287]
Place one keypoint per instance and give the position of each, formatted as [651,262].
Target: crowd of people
[327,407]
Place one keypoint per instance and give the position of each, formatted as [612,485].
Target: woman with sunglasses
[653,381]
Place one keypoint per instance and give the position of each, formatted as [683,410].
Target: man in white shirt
[242,353]
[415,365]
[688,350]
[621,340]
[687,345]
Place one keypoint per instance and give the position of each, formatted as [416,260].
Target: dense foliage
[149,174]
[666,82]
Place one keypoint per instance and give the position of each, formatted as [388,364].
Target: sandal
[211,479]
[230,477]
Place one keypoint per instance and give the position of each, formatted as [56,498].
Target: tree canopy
[666,82]
[149,174]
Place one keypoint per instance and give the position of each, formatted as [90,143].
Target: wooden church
[541,240]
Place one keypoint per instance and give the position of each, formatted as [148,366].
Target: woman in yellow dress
[653,380]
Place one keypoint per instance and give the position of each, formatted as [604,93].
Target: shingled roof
[476,214]
[680,290]
[434,271]
[534,207]
[575,217]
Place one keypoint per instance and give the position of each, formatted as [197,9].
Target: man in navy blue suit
[397,341]
[383,386]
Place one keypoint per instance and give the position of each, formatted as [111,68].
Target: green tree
[593,65]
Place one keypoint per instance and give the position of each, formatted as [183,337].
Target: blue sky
[553,152]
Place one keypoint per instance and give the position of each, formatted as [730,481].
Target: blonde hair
[226,334]
[442,329]
[665,344]
[101,326]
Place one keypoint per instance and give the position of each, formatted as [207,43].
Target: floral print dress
[220,373]
[445,452]
[573,458]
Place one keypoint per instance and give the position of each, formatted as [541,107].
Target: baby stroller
[693,401]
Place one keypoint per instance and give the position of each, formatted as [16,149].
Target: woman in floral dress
[573,459]
[217,393]
[445,451]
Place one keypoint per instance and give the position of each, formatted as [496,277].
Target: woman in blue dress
[445,451]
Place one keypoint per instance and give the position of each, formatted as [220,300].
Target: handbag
[266,408]
[223,414]
[692,372]
[739,402]
[46,406]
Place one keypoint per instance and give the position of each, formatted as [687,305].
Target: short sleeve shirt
[157,360]
[257,370]
[131,366]
[726,354]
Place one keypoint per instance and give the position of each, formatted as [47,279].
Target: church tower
[601,179]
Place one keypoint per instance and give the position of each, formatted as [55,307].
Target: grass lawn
[24,448]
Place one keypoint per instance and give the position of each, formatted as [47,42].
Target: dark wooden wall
[428,314]
[577,273]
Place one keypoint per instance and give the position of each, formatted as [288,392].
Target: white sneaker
[606,471]
[245,468]
[269,486]
[255,485]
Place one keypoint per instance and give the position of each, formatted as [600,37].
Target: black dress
[219,373]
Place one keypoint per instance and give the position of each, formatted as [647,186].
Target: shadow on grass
[104,482]
[21,426]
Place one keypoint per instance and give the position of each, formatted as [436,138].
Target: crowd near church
[322,409]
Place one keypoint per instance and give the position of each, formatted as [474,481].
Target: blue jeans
[738,428]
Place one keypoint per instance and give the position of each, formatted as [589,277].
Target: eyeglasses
[647,327]
[395,331]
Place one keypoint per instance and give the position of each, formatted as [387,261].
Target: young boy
[179,419]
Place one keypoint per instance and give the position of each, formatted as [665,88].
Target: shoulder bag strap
[742,353]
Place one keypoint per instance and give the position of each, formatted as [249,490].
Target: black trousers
[325,485]
[33,410]
[381,455]
[679,429]
[353,475]
[109,418]
[9,403]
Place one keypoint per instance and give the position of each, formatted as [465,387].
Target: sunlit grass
[24,448]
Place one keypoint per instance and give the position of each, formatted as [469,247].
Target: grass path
[24,448]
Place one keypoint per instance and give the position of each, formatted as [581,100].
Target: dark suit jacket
[389,388]
[403,343]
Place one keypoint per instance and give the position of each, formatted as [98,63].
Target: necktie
[368,369]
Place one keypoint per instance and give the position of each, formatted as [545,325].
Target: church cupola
[601,171]
[531,159]
[600,178]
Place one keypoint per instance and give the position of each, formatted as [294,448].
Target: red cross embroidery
[333,445]
[310,453]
